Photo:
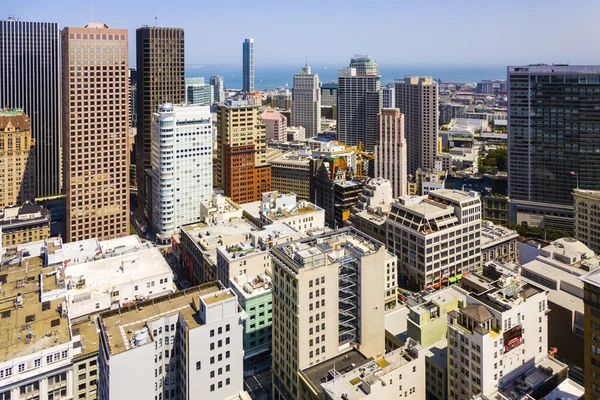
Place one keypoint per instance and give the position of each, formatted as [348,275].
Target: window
[198,365]
[212,360]
[226,340]
[212,374]
[220,330]
[212,388]
[227,328]
[212,332]
[227,381]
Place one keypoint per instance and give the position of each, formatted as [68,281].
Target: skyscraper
[390,151]
[553,136]
[306,102]
[248,65]
[217,85]
[417,99]
[30,80]
[359,102]
[96,131]
[389,96]
[364,64]
[160,66]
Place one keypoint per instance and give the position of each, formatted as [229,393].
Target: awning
[453,279]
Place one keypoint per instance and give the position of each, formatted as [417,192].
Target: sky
[395,32]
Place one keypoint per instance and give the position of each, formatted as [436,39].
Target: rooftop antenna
[155,21]
[306,60]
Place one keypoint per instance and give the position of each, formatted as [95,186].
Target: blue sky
[416,32]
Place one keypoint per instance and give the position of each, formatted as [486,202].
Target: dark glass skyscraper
[248,64]
[553,140]
[30,79]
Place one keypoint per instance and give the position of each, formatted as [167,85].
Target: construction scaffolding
[348,299]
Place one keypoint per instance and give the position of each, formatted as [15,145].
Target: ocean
[277,76]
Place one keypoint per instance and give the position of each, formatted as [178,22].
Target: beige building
[587,217]
[17,158]
[417,99]
[96,131]
[327,299]
[290,173]
[390,152]
[306,102]
[498,243]
[24,224]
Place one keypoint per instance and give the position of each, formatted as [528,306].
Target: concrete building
[586,221]
[436,237]
[499,243]
[187,344]
[301,215]
[319,311]
[591,286]
[17,158]
[306,102]
[24,224]
[160,62]
[217,87]
[248,65]
[33,84]
[369,214]
[417,99]
[390,152]
[242,169]
[358,104]
[97,199]
[181,166]
[540,182]
[496,336]
[290,173]
[275,125]
[388,96]
[219,210]
[329,94]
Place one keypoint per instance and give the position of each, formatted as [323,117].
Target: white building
[295,133]
[497,335]
[185,345]
[436,237]
[302,215]
[306,102]
[219,210]
[389,96]
[217,87]
[432,180]
[390,152]
[181,166]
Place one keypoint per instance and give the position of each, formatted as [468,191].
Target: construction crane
[359,159]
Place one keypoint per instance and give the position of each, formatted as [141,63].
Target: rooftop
[120,326]
[566,390]
[491,233]
[569,255]
[88,336]
[250,286]
[526,383]
[589,194]
[507,292]
[396,322]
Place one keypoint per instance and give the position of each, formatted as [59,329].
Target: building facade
[242,169]
[306,102]
[390,152]
[96,141]
[31,80]
[248,65]
[181,166]
[17,158]
[586,221]
[160,62]
[417,99]
[24,224]
[290,173]
[199,94]
[389,96]
[217,85]
[275,125]
[591,286]
[545,167]
[499,243]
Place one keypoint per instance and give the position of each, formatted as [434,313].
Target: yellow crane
[359,159]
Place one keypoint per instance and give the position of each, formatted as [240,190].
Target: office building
[96,140]
[31,81]
[290,173]
[275,125]
[187,344]
[449,111]
[217,87]
[132,99]
[301,215]
[199,93]
[591,286]
[160,62]
[389,96]
[369,214]
[248,65]
[495,208]
[306,102]
[17,158]
[544,167]
[181,166]
[499,243]
[295,134]
[390,151]
[358,104]
[329,94]
[364,64]
[23,224]
[242,168]
[586,221]
[319,311]
[436,237]
[417,99]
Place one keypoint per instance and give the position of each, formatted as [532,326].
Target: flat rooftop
[566,390]
[344,362]
[548,271]
[491,233]
[506,291]
[89,341]
[396,322]
[120,325]
[533,378]
[437,353]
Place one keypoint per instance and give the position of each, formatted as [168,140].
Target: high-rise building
[199,94]
[248,65]
[417,99]
[30,79]
[306,102]
[96,131]
[552,141]
[329,94]
[389,95]
[390,152]
[437,237]
[364,64]
[242,168]
[217,85]
[275,125]
[132,98]
[328,296]
[587,217]
[181,166]
[358,103]
[591,288]
[160,79]
[17,158]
